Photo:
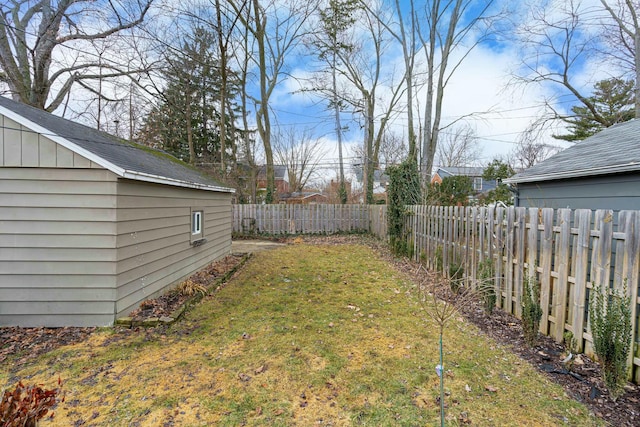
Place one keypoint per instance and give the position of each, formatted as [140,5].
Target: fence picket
[561,264]
[509,255]
[583,224]
[518,274]
[546,257]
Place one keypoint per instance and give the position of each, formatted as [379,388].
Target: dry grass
[304,335]
[190,288]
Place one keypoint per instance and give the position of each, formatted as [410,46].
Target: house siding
[617,192]
[57,244]
[20,146]
[154,250]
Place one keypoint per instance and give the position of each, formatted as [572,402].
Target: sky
[480,88]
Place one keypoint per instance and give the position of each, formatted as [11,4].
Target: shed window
[196,223]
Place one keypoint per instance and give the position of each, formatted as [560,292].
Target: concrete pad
[249,246]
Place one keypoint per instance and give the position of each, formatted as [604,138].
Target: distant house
[601,172]
[480,185]
[90,225]
[281,177]
[380,185]
[305,198]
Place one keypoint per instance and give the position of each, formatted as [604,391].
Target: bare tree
[453,27]
[300,153]
[40,57]
[626,39]
[406,34]
[529,152]
[363,69]
[335,20]
[393,149]
[555,44]
[559,38]
[276,29]
[226,20]
[458,147]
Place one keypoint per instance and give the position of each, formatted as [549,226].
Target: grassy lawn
[304,335]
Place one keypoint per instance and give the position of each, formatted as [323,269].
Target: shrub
[610,314]
[531,310]
[25,405]
[485,275]
[570,342]
[190,288]
[404,189]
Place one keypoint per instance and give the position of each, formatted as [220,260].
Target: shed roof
[125,159]
[615,149]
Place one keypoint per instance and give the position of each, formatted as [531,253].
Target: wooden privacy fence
[309,219]
[567,252]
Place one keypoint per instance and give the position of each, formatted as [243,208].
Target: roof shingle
[613,150]
[123,158]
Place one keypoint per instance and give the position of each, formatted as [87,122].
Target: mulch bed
[583,382]
[166,304]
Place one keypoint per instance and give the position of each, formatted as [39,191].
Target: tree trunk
[223,88]
[637,58]
[342,191]
[262,113]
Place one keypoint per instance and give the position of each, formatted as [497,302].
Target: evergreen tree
[452,191]
[612,101]
[186,121]
[498,170]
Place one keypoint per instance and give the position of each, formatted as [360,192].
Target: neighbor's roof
[460,171]
[279,172]
[126,160]
[613,150]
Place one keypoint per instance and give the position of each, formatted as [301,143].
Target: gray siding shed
[84,240]
[601,172]
[617,192]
